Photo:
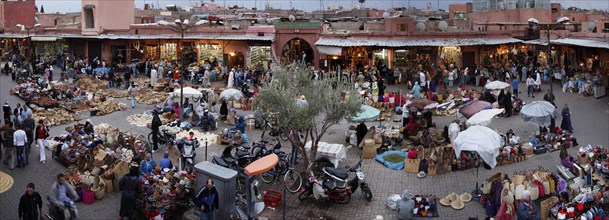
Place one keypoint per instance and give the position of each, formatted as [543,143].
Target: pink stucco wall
[109,15]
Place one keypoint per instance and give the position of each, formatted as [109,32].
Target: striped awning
[44,39]
[329,50]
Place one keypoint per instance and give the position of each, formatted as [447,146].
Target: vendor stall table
[333,152]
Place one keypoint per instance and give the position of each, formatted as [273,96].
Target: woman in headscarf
[566,119]
[148,165]
[223,110]
[501,99]
[375,89]
[360,132]
[416,90]
[507,104]
[130,187]
[240,126]
[412,128]
[527,210]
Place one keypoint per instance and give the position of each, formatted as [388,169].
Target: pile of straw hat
[455,201]
[6,182]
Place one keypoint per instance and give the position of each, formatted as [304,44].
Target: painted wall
[17,12]
[109,15]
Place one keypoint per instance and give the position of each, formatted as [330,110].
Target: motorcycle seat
[219,161]
[342,174]
[241,154]
[334,185]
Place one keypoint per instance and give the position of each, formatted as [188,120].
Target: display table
[333,152]
[599,91]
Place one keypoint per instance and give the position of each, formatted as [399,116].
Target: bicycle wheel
[292,181]
[150,137]
[283,136]
[268,177]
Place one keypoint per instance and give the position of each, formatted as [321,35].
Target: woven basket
[99,187]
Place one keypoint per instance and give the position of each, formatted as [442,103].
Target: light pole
[181,27]
[548,27]
[27,29]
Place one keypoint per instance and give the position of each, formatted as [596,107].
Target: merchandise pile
[54,116]
[149,97]
[163,191]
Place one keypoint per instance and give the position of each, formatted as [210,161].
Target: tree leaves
[280,100]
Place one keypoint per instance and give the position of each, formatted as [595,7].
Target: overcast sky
[51,6]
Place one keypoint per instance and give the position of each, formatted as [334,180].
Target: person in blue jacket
[148,165]
[240,126]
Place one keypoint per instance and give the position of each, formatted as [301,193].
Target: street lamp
[24,29]
[548,27]
[181,27]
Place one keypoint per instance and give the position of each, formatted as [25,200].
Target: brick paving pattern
[590,120]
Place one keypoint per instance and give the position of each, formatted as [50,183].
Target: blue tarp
[395,166]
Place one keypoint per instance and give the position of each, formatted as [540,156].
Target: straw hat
[465,197]
[421,174]
[457,204]
[445,201]
[6,182]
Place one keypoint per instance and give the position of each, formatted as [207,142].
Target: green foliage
[278,101]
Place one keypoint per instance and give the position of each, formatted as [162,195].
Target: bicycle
[163,138]
[291,178]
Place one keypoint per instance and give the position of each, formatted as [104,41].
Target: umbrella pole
[477,193]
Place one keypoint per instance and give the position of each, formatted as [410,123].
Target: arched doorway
[293,51]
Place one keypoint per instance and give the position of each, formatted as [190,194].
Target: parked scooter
[329,191]
[187,149]
[355,183]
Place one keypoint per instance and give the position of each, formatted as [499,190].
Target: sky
[52,6]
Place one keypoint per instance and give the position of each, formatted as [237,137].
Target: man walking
[207,199]
[20,140]
[127,77]
[156,124]
[9,147]
[28,126]
[530,87]
[6,109]
[132,92]
[515,87]
[30,204]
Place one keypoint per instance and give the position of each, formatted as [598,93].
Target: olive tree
[327,104]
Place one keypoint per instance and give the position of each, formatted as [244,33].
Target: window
[89,19]
[403,27]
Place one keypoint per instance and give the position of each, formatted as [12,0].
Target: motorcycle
[355,183]
[259,149]
[328,191]
[235,162]
[55,213]
[187,149]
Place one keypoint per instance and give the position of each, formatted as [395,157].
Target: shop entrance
[94,50]
[293,51]
[468,59]
[118,54]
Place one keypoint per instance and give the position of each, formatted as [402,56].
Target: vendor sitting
[237,138]
[412,128]
[165,162]
[240,126]
[88,128]
[208,121]
[148,165]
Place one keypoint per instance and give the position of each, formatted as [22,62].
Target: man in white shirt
[422,81]
[530,86]
[20,140]
[405,113]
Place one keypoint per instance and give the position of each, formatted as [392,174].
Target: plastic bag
[392,201]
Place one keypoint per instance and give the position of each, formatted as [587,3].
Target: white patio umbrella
[483,118]
[189,92]
[540,112]
[231,94]
[482,140]
[496,85]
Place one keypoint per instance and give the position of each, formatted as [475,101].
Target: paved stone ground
[590,119]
